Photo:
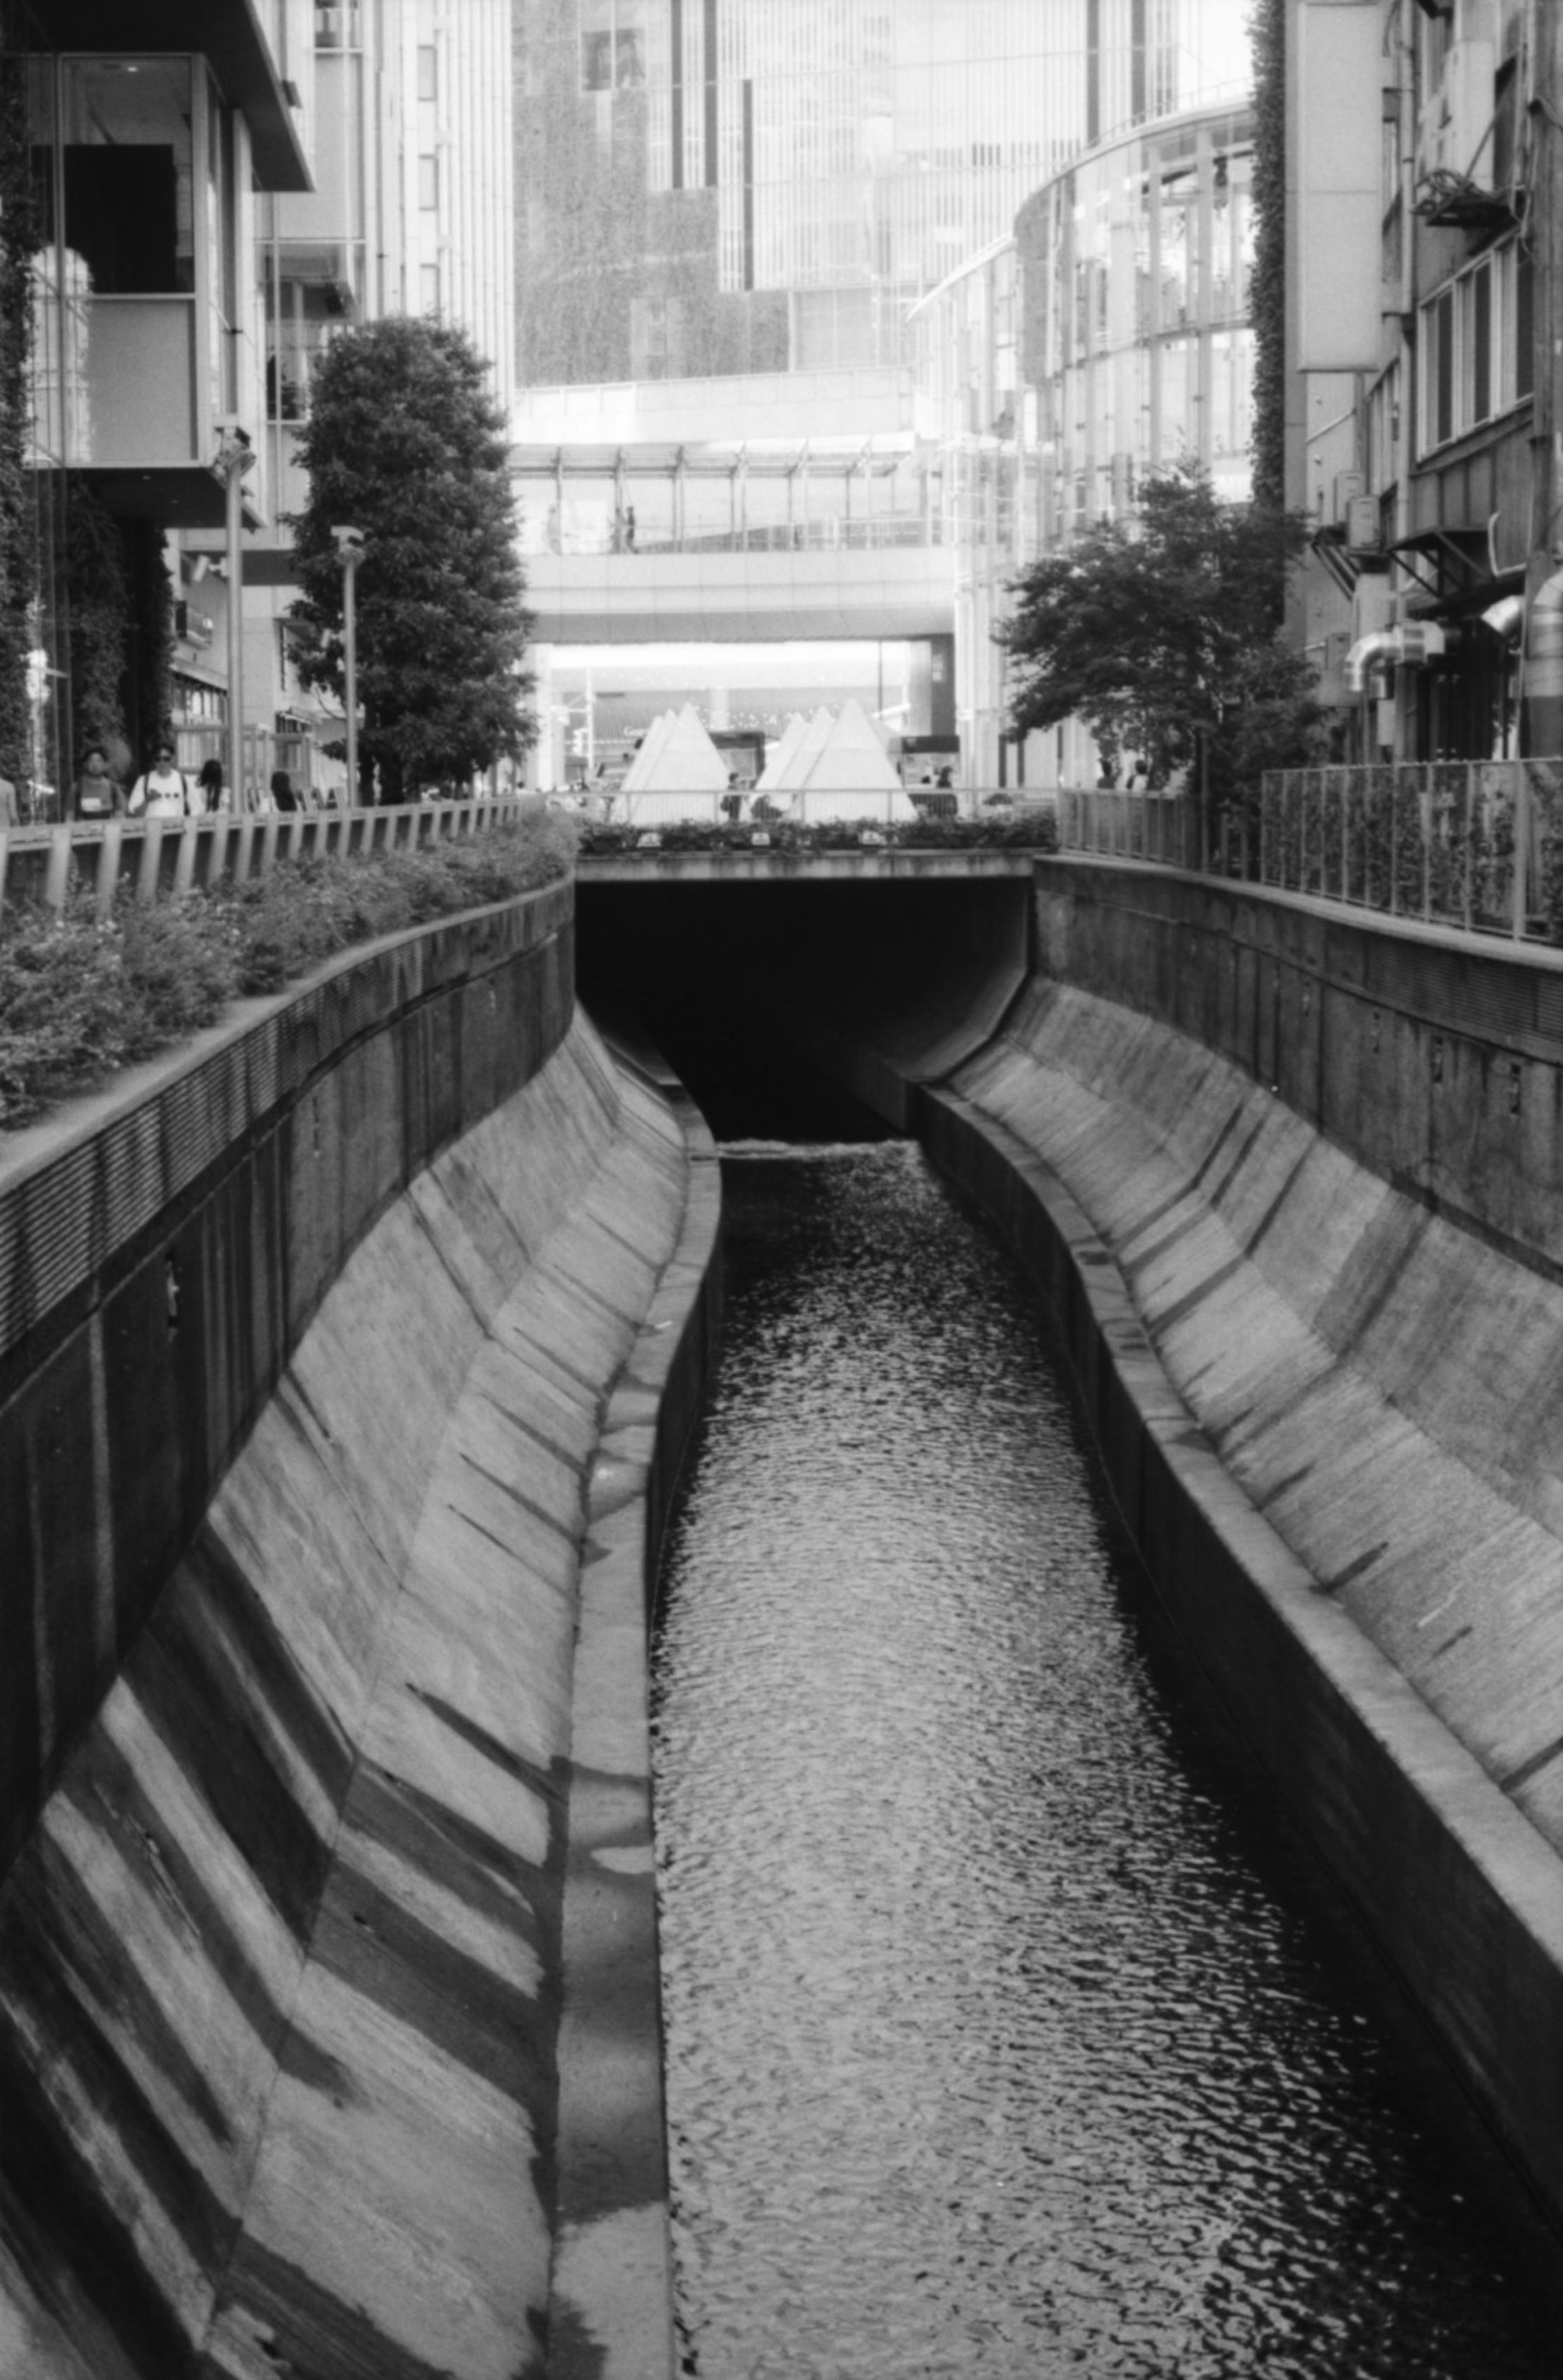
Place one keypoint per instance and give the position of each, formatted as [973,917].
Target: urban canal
[1000,2042]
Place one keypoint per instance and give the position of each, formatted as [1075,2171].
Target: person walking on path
[162,793]
[211,794]
[96,796]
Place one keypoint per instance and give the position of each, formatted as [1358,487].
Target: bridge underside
[771,598]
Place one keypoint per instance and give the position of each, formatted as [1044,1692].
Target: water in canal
[994,2048]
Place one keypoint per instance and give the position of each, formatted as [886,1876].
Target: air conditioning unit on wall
[1364,530]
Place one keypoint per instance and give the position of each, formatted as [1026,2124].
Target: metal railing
[822,807]
[1475,844]
[170,856]
[1114,824]
[1472,843]
[872,533]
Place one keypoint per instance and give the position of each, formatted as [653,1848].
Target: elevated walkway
[761,598]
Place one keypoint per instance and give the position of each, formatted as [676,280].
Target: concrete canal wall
[1291,1181]
[346,1358]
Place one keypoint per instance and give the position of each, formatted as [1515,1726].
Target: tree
[1166,639]
[404,442]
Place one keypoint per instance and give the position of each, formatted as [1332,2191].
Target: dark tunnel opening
[733,982]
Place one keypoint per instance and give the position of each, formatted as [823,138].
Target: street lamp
[349,548]
[235,455]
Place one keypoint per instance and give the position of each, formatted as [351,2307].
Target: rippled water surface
[989,2053]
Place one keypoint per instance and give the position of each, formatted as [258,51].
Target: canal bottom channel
[1003,2036]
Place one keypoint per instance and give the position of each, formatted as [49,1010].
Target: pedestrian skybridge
[757,540]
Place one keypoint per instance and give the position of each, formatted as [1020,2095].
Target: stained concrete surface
[282,1966]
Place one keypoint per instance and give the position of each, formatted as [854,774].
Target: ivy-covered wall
[1268,25]
[16,320]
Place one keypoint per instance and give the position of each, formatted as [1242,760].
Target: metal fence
[1476,845]
[810,806]
[157,856]
[1472,843]
[1120,825]
[266,749]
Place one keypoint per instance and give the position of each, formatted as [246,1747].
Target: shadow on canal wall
[346,1359]
[1290,1182]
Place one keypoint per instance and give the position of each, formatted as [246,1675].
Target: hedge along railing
[1113,824]
[157,857]
[1472,843]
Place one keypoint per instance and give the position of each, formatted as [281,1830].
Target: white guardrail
[162,856]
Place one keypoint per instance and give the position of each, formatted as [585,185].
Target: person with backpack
[162,793]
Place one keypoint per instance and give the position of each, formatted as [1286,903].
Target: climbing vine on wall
[1267,26]
[15,326]
[100,621]
[150,659]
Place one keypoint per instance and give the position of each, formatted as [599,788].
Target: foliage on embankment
[1031,830]
[81,995]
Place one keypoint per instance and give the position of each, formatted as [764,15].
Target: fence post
[57,875]
[1520,814]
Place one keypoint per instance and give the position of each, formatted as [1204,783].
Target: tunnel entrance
[734,981]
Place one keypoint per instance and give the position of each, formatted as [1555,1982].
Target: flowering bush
[81,995]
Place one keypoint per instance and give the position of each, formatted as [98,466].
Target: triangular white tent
[781,752]
[642,762]
[850,763]
[795,769]
[684,761]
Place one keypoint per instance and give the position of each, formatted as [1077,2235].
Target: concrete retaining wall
[326,1834]
[1290,1183]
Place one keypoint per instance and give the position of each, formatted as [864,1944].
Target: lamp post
[235,455]
[349,548]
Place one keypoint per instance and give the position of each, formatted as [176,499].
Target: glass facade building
[775,182]
[1108,338]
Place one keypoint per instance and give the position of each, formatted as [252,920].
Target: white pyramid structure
[850,763]
[781,752]
[652,742]
[683,759]
[795,769]
[634,777]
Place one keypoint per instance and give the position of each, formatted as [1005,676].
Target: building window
[1476,346]
[130,206]
[336,25]
[1384,432]
[428,71]
[429,288]
[427,182]
[613,49]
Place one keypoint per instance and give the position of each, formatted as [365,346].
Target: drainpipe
[1544,669]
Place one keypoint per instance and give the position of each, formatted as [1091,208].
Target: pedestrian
[211,794]
[162,792]
[283,796]
[630,530]
[96,795]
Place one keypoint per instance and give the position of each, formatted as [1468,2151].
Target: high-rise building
[721,185]
[411,212]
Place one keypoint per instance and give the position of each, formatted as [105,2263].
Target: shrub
[81,995]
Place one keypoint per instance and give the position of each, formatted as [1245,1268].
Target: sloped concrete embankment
[362,1821]
[1290,1183]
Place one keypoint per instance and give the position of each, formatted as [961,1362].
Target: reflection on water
[988,2052]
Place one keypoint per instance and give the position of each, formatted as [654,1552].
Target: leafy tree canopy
[1164,640]
[404,442]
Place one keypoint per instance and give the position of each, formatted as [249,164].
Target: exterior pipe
[1544,668]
